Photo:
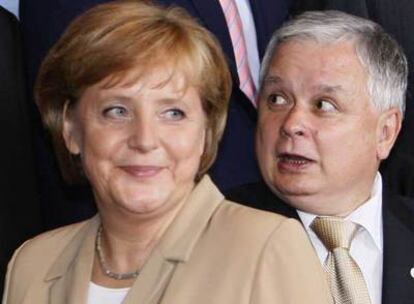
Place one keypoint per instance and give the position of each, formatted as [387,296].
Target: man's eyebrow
[272,79]
[323,88]
[330,89]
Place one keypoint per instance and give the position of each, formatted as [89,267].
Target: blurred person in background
[20,216]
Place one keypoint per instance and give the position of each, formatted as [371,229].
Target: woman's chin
[142,200]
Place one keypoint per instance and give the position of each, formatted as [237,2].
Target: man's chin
[297,196]
[292,188]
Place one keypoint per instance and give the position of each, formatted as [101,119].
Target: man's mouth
[288,161]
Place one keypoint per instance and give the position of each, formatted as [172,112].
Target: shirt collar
[368,215]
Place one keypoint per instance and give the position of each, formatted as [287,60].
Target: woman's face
[140,143]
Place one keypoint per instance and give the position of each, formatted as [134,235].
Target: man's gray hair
[377,51]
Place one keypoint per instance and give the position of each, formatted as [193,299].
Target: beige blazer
[215,251]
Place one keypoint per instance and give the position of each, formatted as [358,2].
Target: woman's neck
[127,242]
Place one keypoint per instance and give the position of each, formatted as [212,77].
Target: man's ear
[389,126]
[70,131]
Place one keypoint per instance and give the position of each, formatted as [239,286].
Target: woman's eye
[174,114]
[276,100]
[325,106]
[116,112]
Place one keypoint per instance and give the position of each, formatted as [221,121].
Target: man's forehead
[307,46]
[326,58]
[312,67]
[274,81]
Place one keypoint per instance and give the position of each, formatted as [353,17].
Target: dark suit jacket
[397,18]
[19,209]
[42,23]
[398,225]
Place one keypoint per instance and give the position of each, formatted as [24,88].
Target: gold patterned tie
[345,278]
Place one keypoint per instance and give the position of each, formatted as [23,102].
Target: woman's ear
[389,126]
[70,130]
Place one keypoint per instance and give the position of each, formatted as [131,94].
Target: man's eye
[116,112]
[174,114]
[276,100]
[325,106]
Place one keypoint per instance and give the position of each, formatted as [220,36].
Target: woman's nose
[143,135]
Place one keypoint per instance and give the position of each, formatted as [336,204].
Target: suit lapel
[176,245]
[213,18]
[398,221]
[260,25]
[152,281]
[70,275]
[268,16]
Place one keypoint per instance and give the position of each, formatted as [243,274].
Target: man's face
[320,139]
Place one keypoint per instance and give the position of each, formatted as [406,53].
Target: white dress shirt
[249,33]
[367,245]
[103,295]
[12,6]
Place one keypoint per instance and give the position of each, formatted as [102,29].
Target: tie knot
[334,232]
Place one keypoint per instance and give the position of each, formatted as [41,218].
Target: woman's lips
[293,162]
[142,171]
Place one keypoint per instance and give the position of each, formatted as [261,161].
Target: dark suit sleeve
[42,24]
[19,209]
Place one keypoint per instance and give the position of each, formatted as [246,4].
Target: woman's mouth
[142,171]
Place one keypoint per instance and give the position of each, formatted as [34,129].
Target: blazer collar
[180,238]
[84,238]
[177,243]
[70,274]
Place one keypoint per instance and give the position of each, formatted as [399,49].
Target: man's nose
[295,123]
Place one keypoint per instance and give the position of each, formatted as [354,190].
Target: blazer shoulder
[288,269]
[277,250]
[258,195]
[33,259]
[50,242]
[249,224]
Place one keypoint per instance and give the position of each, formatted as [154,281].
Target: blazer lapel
[176,245]
[398,265]
[152,281]
[70,275]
